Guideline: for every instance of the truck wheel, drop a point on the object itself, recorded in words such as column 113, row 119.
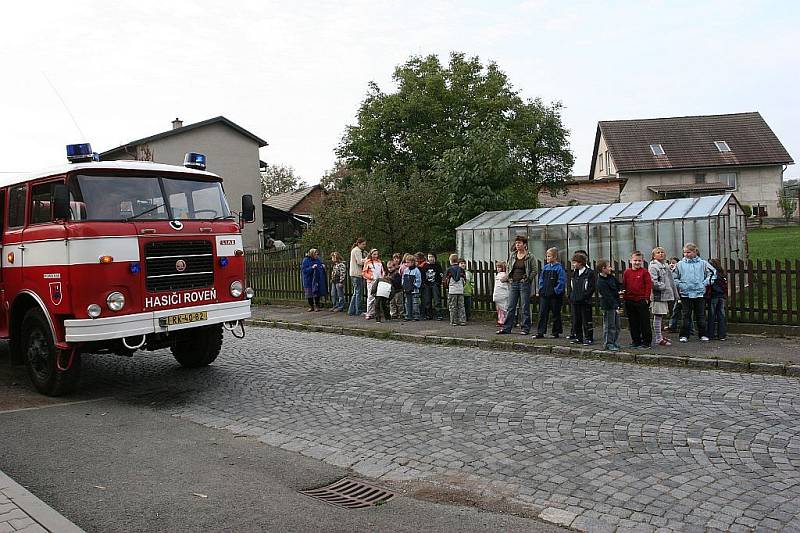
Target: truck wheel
column 199, row 346
column 40, row 355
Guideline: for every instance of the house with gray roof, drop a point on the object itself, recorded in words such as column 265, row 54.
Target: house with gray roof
column 286, row 215
column 232, row 152
column 692, row 156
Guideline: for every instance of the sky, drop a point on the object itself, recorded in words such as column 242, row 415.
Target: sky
column 295, row 72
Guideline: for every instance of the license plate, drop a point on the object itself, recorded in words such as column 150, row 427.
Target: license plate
column 183, row 318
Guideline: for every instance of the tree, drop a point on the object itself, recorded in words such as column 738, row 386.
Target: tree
column 463, row 130
column 787, row 204
column 276, row 179
column 392, row 217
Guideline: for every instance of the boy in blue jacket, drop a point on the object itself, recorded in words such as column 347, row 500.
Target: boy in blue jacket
column 692, row 276
column 552, row 282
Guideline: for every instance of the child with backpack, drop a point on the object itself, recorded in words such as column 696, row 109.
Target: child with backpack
column 455, row 280
column 609, row 289
column 412, row 281
column 582, row 285
column 338, row 274
column 469, row 288
column 717, row 322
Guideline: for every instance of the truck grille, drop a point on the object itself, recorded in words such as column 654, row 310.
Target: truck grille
column 163, row 271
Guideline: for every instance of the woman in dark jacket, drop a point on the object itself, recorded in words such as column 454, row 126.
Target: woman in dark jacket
column 315, row 281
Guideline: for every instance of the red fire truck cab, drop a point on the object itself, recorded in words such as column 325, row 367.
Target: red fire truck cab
column 116, row 256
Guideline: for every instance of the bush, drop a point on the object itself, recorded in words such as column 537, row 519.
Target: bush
column 748, row 210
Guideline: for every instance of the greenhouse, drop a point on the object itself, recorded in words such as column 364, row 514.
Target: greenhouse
column 611, row 231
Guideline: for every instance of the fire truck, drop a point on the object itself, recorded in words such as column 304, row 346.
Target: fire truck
column 118, row 256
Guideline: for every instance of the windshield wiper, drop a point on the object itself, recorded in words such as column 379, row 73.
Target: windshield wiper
column 223, row 217
column 143, row 213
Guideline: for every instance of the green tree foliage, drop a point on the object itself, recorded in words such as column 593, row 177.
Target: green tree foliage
column 787, row 204
column 389, row 215
column 276, row 179
column 461, row 133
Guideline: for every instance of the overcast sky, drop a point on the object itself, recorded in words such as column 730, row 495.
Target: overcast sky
column 294, row 72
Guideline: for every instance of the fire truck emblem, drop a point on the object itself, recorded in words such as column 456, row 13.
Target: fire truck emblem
column 180, row 265
column 55, row 292
column 177, row 225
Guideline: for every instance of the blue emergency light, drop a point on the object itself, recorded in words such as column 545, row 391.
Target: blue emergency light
column 79, row 153
column 195, row 161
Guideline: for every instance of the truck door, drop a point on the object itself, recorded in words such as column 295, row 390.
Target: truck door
column 13, row 248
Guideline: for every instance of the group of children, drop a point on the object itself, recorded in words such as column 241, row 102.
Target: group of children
column 409, row 287
column 683, row 288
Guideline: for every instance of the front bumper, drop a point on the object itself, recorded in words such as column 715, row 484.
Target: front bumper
column 117, row 327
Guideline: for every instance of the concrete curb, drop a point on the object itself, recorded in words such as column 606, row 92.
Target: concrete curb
column 698, row 363
column 38, row 511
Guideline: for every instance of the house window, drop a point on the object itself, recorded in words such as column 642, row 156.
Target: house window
column 657, row 149
column 608, row 162
column 722, row 146
column 699, row 178
column 728, row 178
column 760, row 210
column 600, row 161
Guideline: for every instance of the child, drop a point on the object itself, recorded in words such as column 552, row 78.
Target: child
column 432, row 287
column 500, row 293
column 571, row 334
column 469, row 288
column 382, row 290
column 372, row 272
column 692, row 276
column 609, row 289
column 454, row 281
column 552, row 283
column 676, row 306
column 338, row 273
column 412, row 281
column 580, row 298
column 664, row 291
column 396, row 302
column 638, row 287
column 717, row 322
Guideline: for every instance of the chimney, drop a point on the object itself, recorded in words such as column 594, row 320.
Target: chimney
column 177, row 123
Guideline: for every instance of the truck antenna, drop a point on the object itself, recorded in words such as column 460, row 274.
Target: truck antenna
column 83, row 137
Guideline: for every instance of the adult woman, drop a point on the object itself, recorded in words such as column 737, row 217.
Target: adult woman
column 356, row 264
column 372, row 272
column 315, row 281
column 521, row 274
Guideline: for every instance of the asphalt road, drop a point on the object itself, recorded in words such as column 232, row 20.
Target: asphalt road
column 112, row 459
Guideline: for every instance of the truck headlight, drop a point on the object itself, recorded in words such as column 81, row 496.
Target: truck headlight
column 115, row 301
column 236, row 289
column 249, row 293
column 93, row 310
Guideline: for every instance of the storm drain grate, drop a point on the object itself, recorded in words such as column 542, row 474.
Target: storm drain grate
column 350, row 494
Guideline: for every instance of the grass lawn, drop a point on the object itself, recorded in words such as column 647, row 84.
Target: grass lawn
column 774, row 243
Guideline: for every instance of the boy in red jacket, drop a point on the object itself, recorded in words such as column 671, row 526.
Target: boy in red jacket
column 638, row 287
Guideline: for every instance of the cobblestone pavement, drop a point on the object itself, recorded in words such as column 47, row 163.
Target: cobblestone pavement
column 596, row 445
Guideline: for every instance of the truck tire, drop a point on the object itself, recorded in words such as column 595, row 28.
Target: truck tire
column 40, row 355
column 198, row 346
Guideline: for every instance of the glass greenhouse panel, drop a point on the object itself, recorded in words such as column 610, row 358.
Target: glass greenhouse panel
column 697, row 231
column 590, row 214
column 670, row 237
column 536, row 243
column 706, row 206
column 622, row 241
column 599, row 243
column 556, row 236
column 500, row 245
column 678, row 209
column 467, row 251
column 645, row 233
column 577, row 239
column 481, row 244
column 656, row 210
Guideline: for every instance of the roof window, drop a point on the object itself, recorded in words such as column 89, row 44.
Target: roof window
column 722, row 146
column 657, row 149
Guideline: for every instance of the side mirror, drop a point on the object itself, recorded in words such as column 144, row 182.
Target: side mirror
column 60, row 202
column 248, row 209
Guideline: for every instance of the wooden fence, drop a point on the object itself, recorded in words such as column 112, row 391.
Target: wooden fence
column 763, row 292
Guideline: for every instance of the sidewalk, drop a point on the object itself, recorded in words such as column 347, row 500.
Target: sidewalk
column 743, row 353
column 21, row 511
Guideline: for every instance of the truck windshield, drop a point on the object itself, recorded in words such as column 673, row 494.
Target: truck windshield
column 95, row 197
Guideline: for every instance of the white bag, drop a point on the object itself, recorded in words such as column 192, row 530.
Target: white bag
column 384, row 289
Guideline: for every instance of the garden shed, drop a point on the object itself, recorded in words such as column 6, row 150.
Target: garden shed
column 611, row 231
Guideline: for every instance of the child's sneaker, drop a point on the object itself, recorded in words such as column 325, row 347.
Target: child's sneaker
column 588, row 342
column 611, row 347
column 704, row 338
column 723, row 338
column 683, row 339
column 664, row 342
